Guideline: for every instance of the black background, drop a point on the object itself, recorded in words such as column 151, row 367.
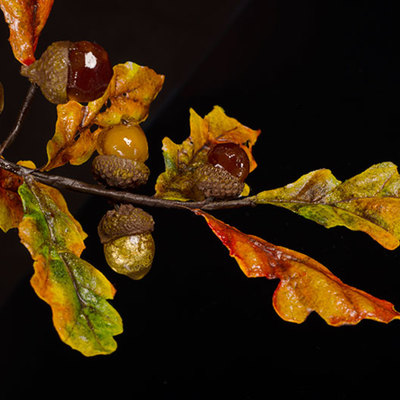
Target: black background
column 320, row 79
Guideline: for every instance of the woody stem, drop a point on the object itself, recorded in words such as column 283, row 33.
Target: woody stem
column 61, row 182
column 21, row 116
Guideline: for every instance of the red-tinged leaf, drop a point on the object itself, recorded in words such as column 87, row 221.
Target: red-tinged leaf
column 305, row 285
column 11, row 212
column 10, row 202
column 26, row 19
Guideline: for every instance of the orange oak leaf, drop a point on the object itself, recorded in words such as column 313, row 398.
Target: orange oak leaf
column 11, row 211
column 10, row 203
column 127, row 98
column 26, row 20
column 181, row 160
column 305, row 285
column 71, row 142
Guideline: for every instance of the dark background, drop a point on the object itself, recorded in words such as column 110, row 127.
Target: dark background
column 320, row 79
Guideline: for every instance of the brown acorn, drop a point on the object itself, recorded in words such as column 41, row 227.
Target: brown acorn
column 128, row 243
column 215, row 182
column 67, row 70
column 119, row 172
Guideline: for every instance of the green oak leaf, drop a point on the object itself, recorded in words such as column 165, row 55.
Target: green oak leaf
column 76, row 291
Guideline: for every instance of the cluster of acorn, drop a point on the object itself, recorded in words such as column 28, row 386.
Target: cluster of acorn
column 125, row 231
column 81, row 71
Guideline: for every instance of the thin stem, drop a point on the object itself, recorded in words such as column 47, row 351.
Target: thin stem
column 21, row 116
column 61, row 182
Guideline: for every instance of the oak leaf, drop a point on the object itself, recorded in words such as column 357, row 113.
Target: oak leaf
column 76, row 291
column 368, row 202
column 305, row 285
column 181, row 160
column 26, row 20
column 127, row 98
column 11, row 211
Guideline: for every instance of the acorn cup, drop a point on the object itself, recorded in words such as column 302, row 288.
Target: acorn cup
column 119, row 172
column 128, row 243
column 216, row 182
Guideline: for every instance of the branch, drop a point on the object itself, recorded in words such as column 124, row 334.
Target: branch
column 61, row 182
column 21, row 116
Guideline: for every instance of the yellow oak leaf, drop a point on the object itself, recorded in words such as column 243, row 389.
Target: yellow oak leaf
column 368, row 202
column 126, row 99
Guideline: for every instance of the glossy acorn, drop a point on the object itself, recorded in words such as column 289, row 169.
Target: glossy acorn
column 223, row 174
column 128, row 243
column 67, row 70
column 123, row 150
column 231, row 157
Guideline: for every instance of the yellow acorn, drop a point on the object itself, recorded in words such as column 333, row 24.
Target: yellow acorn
column 122, row 149
column 128, row 243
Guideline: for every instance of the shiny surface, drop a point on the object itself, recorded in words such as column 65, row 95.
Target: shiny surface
column 89, row 71
column 131, row 255
column 128, row 141
column 231, row 157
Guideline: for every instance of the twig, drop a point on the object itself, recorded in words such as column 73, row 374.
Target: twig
column 17, row 127
column 61, row 182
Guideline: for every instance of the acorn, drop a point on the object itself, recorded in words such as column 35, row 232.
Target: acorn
column 128, row 243
column 215, row 182
column 123, row 149
column 79, row 71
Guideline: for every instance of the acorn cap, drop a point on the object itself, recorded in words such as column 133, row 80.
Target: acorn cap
column 127, row 220
column 216, row 182
column 119, row 172
column 50, row 72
